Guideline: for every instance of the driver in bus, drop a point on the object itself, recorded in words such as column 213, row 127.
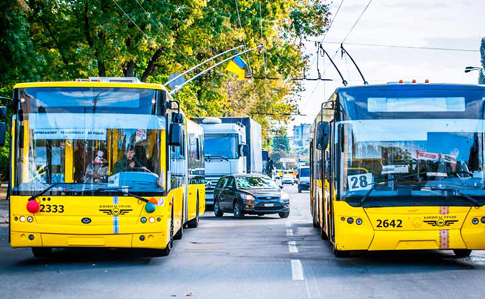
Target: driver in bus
column 129, row 162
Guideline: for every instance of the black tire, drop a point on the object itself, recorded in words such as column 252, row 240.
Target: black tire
column 299, row 190
column 217, row 209
column 284, row 214
column 166, row 250
column 238, row 213
column 314, row 216
column 260, row 215
column 180, row 234
column 41, row 252
column 323, row 234
column 462, row 252
column 194, row 223
column 341, row 253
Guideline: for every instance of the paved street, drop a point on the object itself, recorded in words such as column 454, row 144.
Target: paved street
column 257, row 257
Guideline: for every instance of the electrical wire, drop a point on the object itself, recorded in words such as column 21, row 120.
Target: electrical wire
column 329, row 27
column 240, row 26
column 356, row 22
column 407, row 47
column 261, row 27
column 136, row 25
column 157, row 26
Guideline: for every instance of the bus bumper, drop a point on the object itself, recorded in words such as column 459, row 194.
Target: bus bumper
column 139, row 240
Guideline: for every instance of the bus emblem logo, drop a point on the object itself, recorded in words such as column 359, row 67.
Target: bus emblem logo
column 86, row 220
column 115, row 211
column 440, row 222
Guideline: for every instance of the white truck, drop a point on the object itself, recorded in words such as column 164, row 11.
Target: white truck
column 231, row 145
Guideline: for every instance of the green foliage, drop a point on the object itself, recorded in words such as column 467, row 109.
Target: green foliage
column 281, row 143
column 64, row 40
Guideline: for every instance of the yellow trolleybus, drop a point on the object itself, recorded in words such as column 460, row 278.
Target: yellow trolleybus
column 400, row 167
column 102, row 162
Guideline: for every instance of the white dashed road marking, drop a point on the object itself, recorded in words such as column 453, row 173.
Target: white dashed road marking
column 296, row 270
column 292, row 247
column 289, row 232
column 288, row 224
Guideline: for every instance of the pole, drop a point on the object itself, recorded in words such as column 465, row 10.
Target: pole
column 200, row 64
column 210, row 68
column 355, row 64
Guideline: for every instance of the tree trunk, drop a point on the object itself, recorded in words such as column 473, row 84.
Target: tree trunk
column 128, row 70
column 151, row 65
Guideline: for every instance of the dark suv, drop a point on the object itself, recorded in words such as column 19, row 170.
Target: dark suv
column 254, row 194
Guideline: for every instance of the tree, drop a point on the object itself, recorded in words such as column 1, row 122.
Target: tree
column 148, row 39
column 481, row 78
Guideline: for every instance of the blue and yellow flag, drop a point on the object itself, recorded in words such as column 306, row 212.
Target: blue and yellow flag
column 237, row 66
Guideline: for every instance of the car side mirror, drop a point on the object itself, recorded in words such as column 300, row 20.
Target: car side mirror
column 281, row 186
column 323, row 130
column 3, row 130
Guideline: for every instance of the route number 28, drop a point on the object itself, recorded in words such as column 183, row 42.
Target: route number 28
column 360, row 181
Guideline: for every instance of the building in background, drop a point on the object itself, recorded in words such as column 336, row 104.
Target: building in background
column 301, row 141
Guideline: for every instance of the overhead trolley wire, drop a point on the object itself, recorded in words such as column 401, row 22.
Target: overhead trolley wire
column 156, row 25
column 408, row 47
column 356, row 22
column 329, row 27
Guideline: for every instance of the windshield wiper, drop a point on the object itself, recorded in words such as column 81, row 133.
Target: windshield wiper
column 122, row 192
column 387, row 180
column 216, row 156
column 43, row 191
column 458, row 193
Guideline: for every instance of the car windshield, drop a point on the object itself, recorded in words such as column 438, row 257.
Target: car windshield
column 305, row 172
column 221, row 146
column 87, row 139
column 411, row 158
column 258, row 182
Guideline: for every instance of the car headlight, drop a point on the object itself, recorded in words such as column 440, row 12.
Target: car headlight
column 247, row 197
column 285, row 196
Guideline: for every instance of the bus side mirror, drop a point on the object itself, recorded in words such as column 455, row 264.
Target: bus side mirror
column 3, row 111
column 176, row 134
column 323, row 130
column 3, row 130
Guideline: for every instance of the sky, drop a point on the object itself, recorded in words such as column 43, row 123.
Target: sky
column 458, row 24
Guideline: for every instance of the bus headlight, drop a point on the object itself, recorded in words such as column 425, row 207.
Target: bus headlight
column 30, row 219
column 22, row 218
column 474, row 221
column 350, row 220
column 483, row 220
column 358, row 221
column 143, row 220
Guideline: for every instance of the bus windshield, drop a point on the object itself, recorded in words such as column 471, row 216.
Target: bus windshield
column 399, row 150
column 221, row 146
column 88, row 140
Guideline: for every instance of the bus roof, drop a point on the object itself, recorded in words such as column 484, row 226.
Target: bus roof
column 89, row 84
column 404, row 86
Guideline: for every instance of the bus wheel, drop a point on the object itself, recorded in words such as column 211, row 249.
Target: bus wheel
column 41, row 252
column 195, row 222
column 315, row 222
column 180, row 234
column 166, row 250
column 323, row 234
column 341, row 253
column 462, row 252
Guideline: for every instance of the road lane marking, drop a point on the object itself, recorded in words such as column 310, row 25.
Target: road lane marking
column 288, row 224
column 296, row 270
column 289, row 232
column 292, row 247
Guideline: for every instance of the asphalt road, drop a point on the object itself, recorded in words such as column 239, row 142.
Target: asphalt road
column 256, row 257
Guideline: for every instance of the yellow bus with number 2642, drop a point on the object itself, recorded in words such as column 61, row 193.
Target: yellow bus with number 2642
column 400, row 167
column 102, row 162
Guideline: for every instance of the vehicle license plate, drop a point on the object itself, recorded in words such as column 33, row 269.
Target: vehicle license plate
column 269, row 204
